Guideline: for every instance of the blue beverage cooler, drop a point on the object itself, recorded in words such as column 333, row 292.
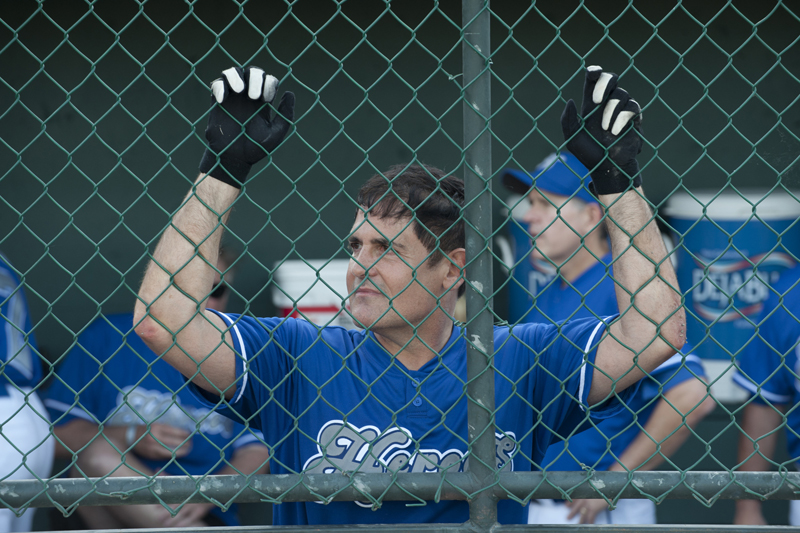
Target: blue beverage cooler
column 730, row 248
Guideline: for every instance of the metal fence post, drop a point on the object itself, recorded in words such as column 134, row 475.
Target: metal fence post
column 478, row 218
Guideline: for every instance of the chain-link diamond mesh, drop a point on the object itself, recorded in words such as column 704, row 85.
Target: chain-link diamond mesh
column 104, row 109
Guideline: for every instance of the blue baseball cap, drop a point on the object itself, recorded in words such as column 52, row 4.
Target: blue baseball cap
column 558, row 174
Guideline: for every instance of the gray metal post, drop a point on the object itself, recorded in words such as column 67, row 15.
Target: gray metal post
column 478, row 217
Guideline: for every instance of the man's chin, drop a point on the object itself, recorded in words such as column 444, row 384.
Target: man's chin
column 373, row 321
column 365, row 320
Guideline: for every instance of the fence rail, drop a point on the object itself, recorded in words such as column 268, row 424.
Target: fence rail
column 707, row 487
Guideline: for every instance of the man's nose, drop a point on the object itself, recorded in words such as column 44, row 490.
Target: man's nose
column 356, row 267
column 531, row 216
column 361, row 262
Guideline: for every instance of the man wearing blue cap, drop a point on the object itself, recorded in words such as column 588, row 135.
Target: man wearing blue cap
column 566, row 222
column 572, row 278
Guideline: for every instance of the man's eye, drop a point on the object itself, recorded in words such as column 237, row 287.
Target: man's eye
column 353, row 246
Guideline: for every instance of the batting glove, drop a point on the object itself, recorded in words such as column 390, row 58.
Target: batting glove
column 240, row 130
column 606, row 137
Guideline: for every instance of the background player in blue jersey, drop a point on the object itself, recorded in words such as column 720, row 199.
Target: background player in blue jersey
column 571, row 252
column 573, row 278
column 144, row 407
column 26, row 446
column 391, row 397
column 768, row 368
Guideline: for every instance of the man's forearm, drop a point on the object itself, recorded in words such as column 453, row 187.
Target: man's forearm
column 170, row 309
column 682, row 408
column 652, row 324
column 247, row 460
column 647, row 287
column 74, row 436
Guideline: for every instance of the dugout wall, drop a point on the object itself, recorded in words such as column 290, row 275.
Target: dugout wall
column 105, row 103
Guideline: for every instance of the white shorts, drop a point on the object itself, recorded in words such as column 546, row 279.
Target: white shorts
column 26, row 447
column 794, row 513
column 627, row 512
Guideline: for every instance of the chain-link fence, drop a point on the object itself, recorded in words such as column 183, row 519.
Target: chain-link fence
column 104, row 114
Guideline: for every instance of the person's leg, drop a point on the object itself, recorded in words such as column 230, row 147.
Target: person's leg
column 100, row 459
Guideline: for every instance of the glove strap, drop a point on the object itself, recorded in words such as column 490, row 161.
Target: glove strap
column 613, row 182
column 230, row 171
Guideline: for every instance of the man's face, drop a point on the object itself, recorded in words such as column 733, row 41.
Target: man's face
column 389, row 273
column 556, row 224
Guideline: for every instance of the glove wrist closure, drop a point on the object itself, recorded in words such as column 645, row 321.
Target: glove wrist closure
column 230, row 171
column 613, row 181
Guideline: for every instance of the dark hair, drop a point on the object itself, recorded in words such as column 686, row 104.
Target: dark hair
column 431, row 199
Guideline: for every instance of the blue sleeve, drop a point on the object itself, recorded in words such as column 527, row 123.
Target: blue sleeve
column 765, row 366
column 679, row 368
column 248, row 437
column 267, row 350
column 76, row 388
column 21, row 364
column 564, row 372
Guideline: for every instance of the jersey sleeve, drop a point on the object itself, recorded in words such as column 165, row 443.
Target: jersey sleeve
column 248, row 437
column 74, row 390
column 17, row 345
column 564, row 372
column 765, row 366
column 681, row 367
column 266, row 350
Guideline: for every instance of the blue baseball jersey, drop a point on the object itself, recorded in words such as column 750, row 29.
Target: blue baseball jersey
column 592, row 294
column 21, row 366
column 599, row 446
column 134, row 387
column 555, row 300
column 333, row 400
column 768, row 366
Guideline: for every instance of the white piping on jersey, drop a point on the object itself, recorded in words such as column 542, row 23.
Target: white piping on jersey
column 235, row 329
column 678, row 359
column 750, row 387
column 71, row 409
column 583, row 366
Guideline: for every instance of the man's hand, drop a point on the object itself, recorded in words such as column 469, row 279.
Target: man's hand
column 241, row 131
column 587, row 510
column 161, row 442
column 602, row 137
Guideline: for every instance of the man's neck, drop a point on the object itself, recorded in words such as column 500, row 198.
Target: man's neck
column 586, row 257
column 414, row 347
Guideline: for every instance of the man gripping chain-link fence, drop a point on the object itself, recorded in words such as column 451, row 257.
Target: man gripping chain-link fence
column 572, row 277
column 391, row 397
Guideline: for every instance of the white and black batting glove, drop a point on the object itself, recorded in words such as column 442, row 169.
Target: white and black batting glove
column 606, row 137
column 241, row 131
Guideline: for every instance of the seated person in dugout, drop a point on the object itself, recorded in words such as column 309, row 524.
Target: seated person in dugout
column 26, row 446
column 573, row 278
column 391, row 397
column 145, row 409
column 768, row 368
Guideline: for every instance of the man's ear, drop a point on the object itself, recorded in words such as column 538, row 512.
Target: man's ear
column 595, row 214
column 456, row 260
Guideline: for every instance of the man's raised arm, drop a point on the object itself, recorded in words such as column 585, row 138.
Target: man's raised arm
column 606, row 138
column 170, row 314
